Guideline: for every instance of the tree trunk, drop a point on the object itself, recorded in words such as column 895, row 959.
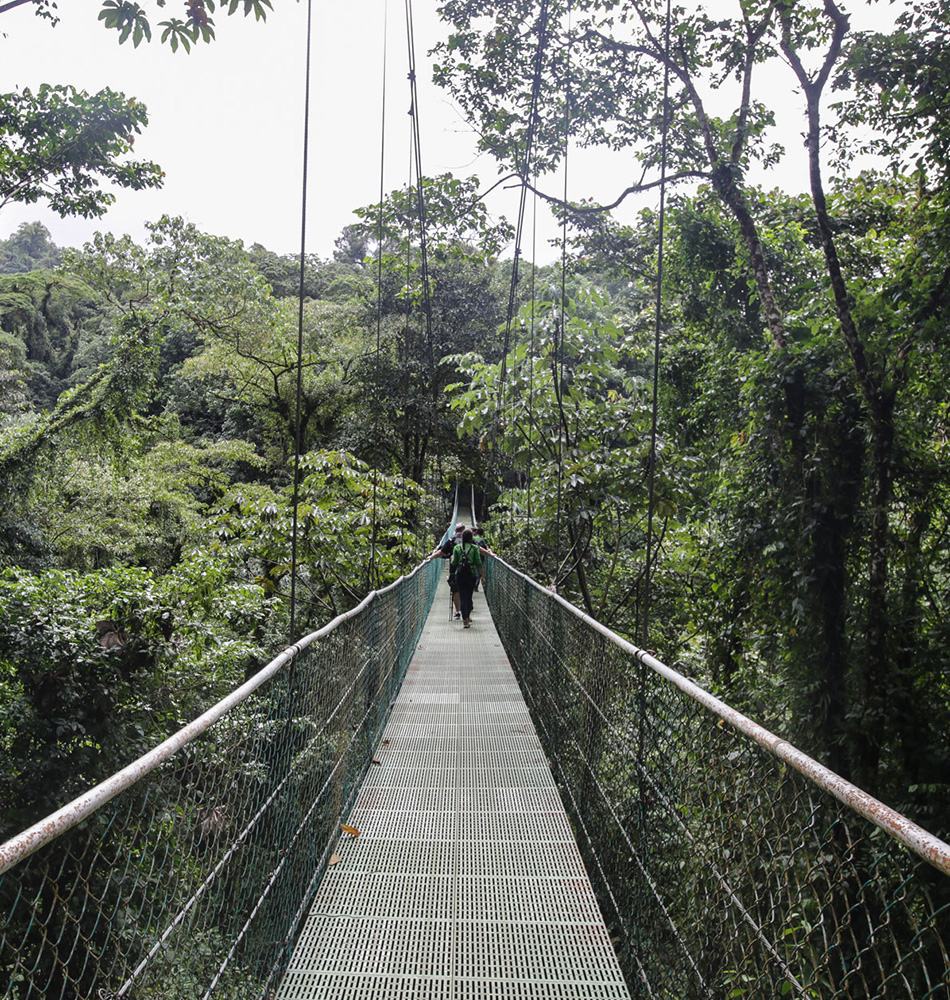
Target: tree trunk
column 879, row 405
column 873, row 672
column 728, row 190
column 834, row 524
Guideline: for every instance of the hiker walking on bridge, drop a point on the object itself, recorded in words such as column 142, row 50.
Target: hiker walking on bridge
column 445, row 551
column 466, row 566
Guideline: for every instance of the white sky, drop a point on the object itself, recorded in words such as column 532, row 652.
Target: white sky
column 226, row 120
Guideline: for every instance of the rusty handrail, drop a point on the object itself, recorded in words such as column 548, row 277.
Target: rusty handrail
column 915, row 838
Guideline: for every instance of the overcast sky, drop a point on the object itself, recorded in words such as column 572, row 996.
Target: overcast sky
column 226, row 120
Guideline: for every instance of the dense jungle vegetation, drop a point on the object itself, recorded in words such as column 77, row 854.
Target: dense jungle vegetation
column 803, row 524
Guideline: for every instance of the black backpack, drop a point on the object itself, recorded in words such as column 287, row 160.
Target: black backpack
column 466, row 566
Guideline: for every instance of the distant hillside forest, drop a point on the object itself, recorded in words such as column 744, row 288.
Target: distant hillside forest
column 802, row 490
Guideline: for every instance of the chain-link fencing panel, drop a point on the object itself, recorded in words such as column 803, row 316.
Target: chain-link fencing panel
column 193, row 881
column 722, row 870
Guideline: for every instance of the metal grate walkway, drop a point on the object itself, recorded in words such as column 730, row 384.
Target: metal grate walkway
column 465, row 881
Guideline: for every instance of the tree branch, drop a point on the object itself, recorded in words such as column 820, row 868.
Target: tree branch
column 595, row 209
column 753, row 37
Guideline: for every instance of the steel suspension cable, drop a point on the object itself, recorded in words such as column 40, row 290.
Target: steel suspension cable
column 651, row 477
column 561, row 324
column 420, row 197
column 525, row 174
column 522, row 204
column 298, row 406
column 658, row 324
column 371, row 576
column 409, row 236
column 423, row 228
column 534, row 275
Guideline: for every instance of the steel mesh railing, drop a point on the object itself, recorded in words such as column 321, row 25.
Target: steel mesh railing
column 192, row 881
column 723, row 870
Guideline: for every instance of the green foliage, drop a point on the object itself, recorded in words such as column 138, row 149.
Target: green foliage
column 133, row 20
column 49, row 313
column 778, row 567
column 575, row 422
column 181, row 277
column 849, row 286
column 339, row 280
column 13, row 397
column 457, row 222
column 899, row 81
column 60, row 143
column 30, row 247
column 340, row 501
column 179, row 289
column 405, row 420
column 250, row 371
column 96, row 668
column 153, row 304
column 143, row 508
column 99, row 410
column 612, row 64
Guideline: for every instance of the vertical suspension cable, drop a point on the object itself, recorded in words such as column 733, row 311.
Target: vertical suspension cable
column 561, row 324
column 410, row 174
column 371, row 577
column 423, row 230
column 651, row 481
column 299, row 400
column 525, row 174
column 420, row 197
column 658, row 323
column 534, row 274
column 407, row 328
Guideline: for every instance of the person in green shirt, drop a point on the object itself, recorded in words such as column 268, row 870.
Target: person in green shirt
column 466, row 565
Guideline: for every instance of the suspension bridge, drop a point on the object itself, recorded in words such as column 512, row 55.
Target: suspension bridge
column 397, row 808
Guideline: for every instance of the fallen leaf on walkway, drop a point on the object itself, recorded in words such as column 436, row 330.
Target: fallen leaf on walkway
column 376, row 760
column 335, row 859
column 350, row 830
